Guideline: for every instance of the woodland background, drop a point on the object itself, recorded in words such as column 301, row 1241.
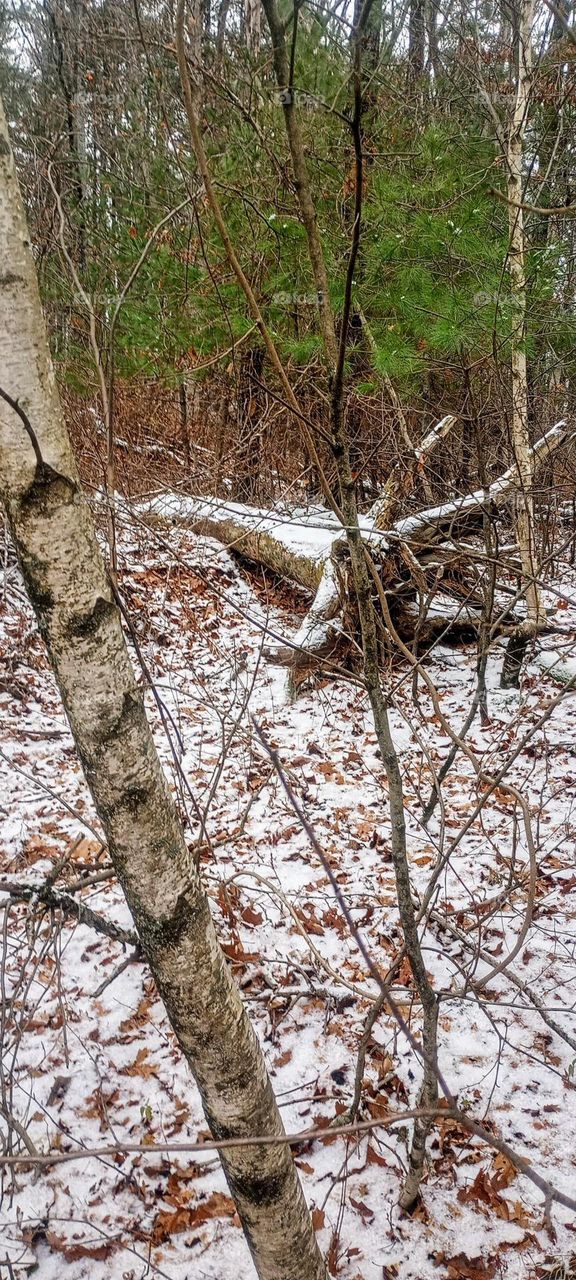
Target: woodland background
column 187, row 442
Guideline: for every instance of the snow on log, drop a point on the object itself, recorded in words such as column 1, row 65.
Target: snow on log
column 317, row 637
column 438, row 520
column 309, row 547
column 561, row 667
column 287, row 545
column 295, row 546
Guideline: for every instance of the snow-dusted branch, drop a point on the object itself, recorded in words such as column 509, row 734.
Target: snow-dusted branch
column 426, row 524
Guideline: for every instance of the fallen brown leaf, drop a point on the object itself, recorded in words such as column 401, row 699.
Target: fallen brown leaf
column 189, row 1217
column 73, row 1250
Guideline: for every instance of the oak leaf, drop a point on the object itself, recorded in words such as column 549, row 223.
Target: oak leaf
column 188, row 1217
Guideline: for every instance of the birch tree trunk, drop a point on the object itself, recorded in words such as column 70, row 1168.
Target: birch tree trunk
column 66, row 581
column 520, row 433
column 252, row 26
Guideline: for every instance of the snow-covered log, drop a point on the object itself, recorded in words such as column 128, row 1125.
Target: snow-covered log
column 322, row 630
column 415, row 555
column 294, row 546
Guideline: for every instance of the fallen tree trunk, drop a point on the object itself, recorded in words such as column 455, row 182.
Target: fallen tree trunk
column 430, row 579
column 292, row 552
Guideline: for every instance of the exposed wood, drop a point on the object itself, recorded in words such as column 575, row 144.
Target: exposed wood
column 401, row 481
column 417, row 554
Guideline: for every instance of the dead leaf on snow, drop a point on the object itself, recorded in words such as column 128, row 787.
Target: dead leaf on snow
column 373, row 1157
column 283, row 1058
column 250, row 916
column 485, row 1190
column 462, row 1268
column 140, row 1018
column 180, row 1195
column 366, row 1213
column 308, row 919
column 73, row 1250
column 235, row 952
column 188, row 1218
column 504, row 1172
column 140, row 1066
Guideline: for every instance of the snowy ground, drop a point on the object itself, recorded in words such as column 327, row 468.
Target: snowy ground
column 88, row 1058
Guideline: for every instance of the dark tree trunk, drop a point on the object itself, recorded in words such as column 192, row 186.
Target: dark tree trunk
column 417, row 38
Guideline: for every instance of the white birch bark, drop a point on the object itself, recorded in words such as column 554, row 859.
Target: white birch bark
column 516, row 267
column 252, row 26
column 68, row 587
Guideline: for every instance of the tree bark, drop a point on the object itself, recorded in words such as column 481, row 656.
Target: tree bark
column 184, row 433
column 67, row 584
column 520, row 432
column 417, row 38
column 252, row 26
column 247, row 460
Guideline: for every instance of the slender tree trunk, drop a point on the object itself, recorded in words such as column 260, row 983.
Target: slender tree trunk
column 247, row 462
column 184, row 433
column 195, row 36
column 432, row 29
column 301, row 181
column 554, row 190
column 67, row 584
column 335, row 351
column 417, row 38
column 371, row 46
column 68, row 80
column 221, row 33
column 519, row 418
column 252, row 26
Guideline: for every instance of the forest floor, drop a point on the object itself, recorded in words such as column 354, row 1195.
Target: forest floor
column 89, row 1059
